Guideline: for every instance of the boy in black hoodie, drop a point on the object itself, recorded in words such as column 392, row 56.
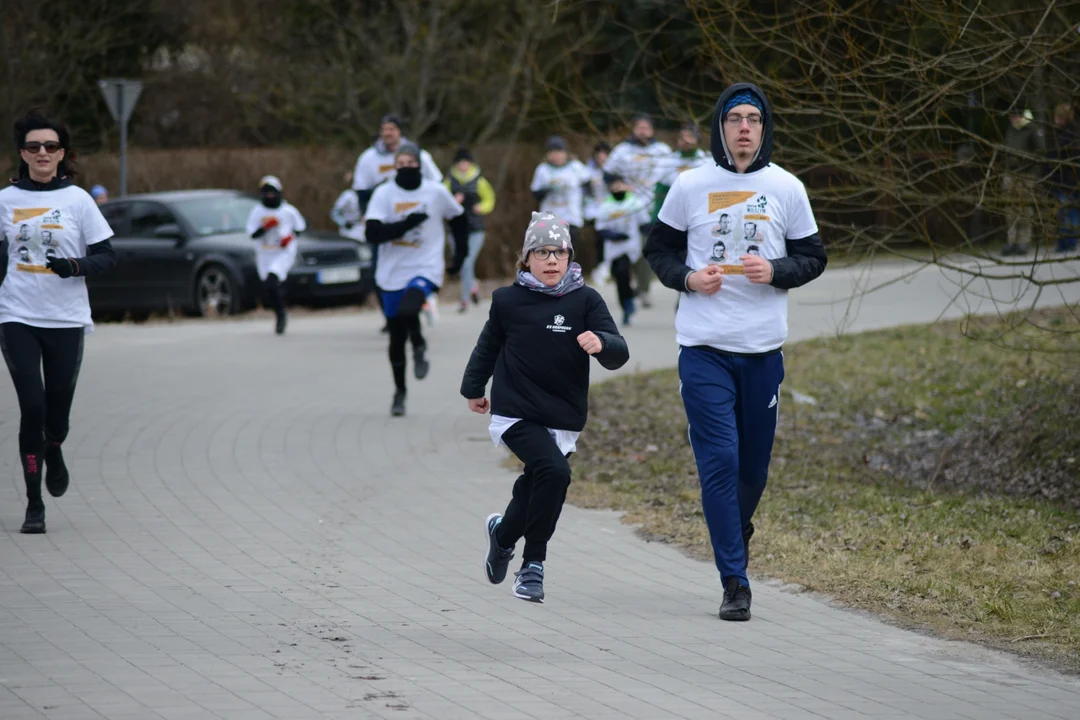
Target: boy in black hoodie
column 537, row 341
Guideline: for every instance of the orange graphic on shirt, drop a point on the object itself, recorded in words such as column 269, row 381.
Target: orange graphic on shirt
column 721, row 200
column 22, row 214
column 39, row 269
column 749, row 216
column 403, row 207
column 386, row 168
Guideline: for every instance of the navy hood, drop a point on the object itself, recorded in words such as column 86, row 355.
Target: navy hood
column 719, row 150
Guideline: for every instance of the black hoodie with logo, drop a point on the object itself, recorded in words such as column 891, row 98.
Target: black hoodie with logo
column 529, row 345
column 665, row 249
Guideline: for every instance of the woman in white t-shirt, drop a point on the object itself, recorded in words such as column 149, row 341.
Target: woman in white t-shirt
column 54, row 237
column 275, row 224
column 405, row 220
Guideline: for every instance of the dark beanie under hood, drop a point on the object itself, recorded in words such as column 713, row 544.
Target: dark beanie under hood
column 719, row 150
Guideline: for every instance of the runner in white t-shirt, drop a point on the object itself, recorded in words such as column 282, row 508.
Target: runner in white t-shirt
column 558, row 185
column 734, row 235
column 640, row 160
column 346, row 212
column 405, row 219
column 55, row 237
column 275, row 224
column 376, row 165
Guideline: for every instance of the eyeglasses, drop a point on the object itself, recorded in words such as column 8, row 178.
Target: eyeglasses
column 51, row 146
column 735, row 120
column 545, row 253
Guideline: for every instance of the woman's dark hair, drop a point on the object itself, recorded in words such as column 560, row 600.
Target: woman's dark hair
column 34, row 120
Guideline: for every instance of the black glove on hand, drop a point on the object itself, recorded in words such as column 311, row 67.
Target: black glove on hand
column 415, row 219
column 61, row 266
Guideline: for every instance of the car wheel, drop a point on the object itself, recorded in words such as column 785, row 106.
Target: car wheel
column 216, row 292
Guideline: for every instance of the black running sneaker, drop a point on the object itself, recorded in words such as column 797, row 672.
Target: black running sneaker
column 498, row 558
column 420, row 362
column 398, row 408
column 529, row 582
column 56, row 472
column 34, row 524
column 279, row 326
column 736, row 601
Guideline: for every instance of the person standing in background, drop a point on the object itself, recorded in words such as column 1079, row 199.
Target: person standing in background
column 100, row 194
column 1024, row 143
column 474, row 193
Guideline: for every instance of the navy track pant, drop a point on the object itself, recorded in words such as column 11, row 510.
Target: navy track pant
column 732, row 403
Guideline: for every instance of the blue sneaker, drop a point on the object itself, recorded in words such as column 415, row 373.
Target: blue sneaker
column 498, row 559
column 529, row 584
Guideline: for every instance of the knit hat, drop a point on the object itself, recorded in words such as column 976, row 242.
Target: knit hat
column 271, row 181
column 743, row 97
column 408, row 148
column 393, row 120
column 97, row 191
column 556, row 143
column 546, row 230
column 462, row 154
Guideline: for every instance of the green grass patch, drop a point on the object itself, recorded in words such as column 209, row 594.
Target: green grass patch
column 933, row 480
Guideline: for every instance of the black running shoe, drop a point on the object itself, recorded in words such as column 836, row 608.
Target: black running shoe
column 398, row 408
column 736, row 601
column 34, row 523
column 420, row 363
column 56, row 472
column 498, row 559
column 529, row 582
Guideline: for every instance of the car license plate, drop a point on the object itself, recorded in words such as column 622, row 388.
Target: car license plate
column 331, row 276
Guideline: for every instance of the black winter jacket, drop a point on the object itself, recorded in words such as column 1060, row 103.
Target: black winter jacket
column 530, row 345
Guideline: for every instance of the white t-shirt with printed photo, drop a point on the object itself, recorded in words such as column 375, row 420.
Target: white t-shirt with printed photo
column 640, row 166
column 39, row 225
column 565, row 198
column 420, row 252
column 727, row 215
column 270, row 257
column 377, row 165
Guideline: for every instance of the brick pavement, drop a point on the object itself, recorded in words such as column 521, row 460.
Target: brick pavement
column 249, row 535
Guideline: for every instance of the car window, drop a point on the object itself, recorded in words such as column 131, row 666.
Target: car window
column 116, row 214
column 148, row 217
column 217, row 214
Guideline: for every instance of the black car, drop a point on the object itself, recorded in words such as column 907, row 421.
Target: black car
column 188, row 251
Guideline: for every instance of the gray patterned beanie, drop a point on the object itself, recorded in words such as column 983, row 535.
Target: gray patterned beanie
column 546, row 230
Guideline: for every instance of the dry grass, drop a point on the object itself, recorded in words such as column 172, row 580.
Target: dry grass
column 934, row 482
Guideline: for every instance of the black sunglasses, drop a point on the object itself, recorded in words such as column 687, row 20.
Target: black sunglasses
column 51, row 146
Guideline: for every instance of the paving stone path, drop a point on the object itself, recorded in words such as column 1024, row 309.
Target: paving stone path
column 249, row 536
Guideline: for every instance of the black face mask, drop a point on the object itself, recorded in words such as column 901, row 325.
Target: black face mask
column 619, row 195
column 271, row 200
column 408, row 178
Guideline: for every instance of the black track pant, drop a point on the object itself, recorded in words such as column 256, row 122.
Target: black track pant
column 539, row 493
column 275, row 294
column 405, row 327
column 620, row 270
column 44, row 405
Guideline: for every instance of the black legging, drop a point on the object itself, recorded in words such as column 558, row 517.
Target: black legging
column 44, row 406
column 620, row 270
column 539, row 492
column 275, row 294
column 404, row 327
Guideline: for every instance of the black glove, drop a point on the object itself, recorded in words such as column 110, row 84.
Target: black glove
column 415, row 219
column 61, row 266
